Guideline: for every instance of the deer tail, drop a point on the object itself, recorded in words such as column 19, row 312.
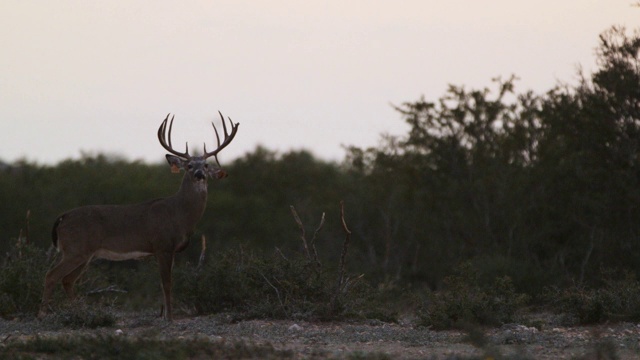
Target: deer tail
column 54, row 231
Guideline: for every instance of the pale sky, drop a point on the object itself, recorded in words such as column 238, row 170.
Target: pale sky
column 100, row 76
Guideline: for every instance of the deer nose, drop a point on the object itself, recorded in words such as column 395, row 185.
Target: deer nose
column 199, row 174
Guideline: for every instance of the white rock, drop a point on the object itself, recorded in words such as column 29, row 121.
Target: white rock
column 295, row 327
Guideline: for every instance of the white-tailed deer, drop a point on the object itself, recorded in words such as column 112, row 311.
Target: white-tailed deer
column 159, row 227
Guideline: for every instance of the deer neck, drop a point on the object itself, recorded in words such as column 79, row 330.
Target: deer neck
column 191, row 200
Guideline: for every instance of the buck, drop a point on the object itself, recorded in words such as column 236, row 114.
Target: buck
column 159, row 227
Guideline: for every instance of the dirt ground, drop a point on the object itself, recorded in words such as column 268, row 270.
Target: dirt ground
column 367, row 339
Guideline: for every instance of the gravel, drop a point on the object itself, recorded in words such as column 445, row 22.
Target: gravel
column 403, row 340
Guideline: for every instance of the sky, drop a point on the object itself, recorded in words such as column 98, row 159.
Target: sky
column 89, row 77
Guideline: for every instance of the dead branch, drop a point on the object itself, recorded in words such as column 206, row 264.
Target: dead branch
column 345, row 245
column 202, row 252
column 313, row 242
column 313, row 258
column 281, row 254
column 302, row 236
column 342, row 284
column 276, row 290
column 26, row 234
column 110, row 288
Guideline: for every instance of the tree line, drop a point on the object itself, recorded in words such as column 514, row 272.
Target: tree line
column 544, row 188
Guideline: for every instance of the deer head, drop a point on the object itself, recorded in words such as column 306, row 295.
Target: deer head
column 196, row 167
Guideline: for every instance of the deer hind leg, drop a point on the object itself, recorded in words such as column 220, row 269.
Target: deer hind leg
column 165, row 263
column 70, row 279
column 66, row 267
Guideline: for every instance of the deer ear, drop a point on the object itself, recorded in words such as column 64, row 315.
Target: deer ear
column 175, row 163
column 217, row 173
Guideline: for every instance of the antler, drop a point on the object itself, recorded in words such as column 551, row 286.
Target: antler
column 227, row 138
column 162, row 136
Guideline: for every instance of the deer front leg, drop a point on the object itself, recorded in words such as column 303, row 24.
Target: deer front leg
column 165, row 263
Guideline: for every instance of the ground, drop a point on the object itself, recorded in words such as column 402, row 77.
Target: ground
column 363, row 339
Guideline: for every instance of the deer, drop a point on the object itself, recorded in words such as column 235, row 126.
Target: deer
column 159, row 227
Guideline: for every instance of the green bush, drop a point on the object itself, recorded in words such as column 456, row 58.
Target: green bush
column 269, row 287
column 21, row 280
column 465, row 301
column 615, row 300
column 78, row 314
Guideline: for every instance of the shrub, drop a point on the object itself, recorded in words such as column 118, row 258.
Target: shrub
column 615, row 300
column 21, row 280
column 464, row 301
column 78, row 314
column 268, row 287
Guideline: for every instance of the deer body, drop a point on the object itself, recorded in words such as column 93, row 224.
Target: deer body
column 159, row 227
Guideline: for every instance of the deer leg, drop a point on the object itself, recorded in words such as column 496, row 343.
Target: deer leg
column 165, row 263
column 69, row 280
column 65, row 267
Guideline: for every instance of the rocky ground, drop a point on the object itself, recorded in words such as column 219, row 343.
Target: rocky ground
column 368, row 339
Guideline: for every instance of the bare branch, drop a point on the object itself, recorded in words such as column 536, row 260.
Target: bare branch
column 302, row 236
column 202, row 252
column 26, row 234
column 313, row 241
column 110, row 288
column 345, row 246
column 281, row 254
column 342, row 284
column 276, row 290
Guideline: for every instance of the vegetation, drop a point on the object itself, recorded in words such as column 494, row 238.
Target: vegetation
column 464, row 301
column 116, row 347
column 492, row 198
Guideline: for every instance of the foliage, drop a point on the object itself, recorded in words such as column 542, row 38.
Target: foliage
column 270, row 287
column 464, row 301
column 78, row 314
column 21, row 280
column 548, row 182
column 615, row 300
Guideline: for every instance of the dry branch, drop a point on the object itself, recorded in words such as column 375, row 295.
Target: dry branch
column 302, row 236
column 313, row 241
column 110, row 288
column 342, row 284
column 313, row 251
column 26, row 235
column 345, row 245
column 202, row 252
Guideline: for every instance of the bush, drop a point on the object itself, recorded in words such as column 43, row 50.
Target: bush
column 21, row 280
column 78, row 314
column 270, row 287
column 464, row 301
column 615, row 300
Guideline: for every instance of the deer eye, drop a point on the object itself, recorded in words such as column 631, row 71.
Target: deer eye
column 190, row 166
column 206, row 166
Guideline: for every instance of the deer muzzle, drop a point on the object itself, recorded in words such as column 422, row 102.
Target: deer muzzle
column 199, row 175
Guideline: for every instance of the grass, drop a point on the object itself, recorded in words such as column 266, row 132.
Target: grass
column 124, row 348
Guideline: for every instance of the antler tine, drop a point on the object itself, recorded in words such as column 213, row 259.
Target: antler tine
column 228, row 137
column 166, row 141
